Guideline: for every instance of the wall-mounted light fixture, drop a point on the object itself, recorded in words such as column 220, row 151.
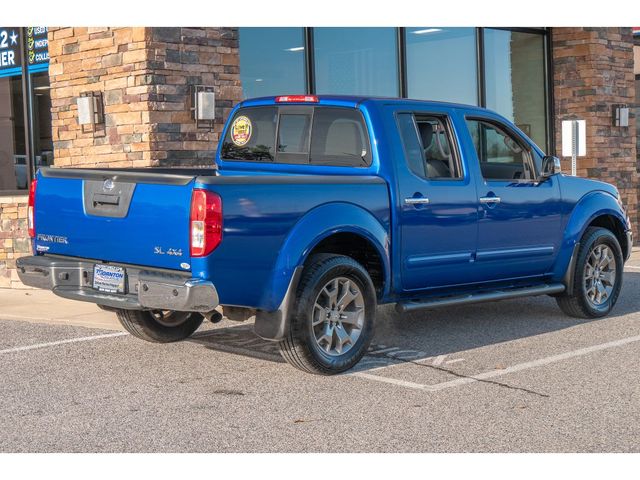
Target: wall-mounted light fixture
column 621, row 115
column 204, row 106
column 90, row 111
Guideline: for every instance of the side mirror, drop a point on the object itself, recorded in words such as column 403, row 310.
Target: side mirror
column 550, row 166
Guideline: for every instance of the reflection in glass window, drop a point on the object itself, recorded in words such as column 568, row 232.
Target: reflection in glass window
column 272, row 61
column 251, row 135
column 356, row 61
column 501, row 156
column 441, row 64
column 339, row 138
column 13, row 160
column 43, row 141
column 515, row 85
column 293, row 133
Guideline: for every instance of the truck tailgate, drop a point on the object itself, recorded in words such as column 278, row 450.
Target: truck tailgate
column 115, row 216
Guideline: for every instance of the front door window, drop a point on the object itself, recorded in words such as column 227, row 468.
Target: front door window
column 502, row 156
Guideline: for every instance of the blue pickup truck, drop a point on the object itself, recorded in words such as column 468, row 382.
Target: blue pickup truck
column 320, row 208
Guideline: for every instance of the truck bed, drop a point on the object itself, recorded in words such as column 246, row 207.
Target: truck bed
column 143, row 220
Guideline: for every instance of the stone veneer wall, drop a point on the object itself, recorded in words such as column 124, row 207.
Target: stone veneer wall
column 592, row 71
column 145, row 75
column 180, row 58
column 14, row 238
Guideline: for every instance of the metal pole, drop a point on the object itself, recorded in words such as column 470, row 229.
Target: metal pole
column 26, row 107
column 574, row 147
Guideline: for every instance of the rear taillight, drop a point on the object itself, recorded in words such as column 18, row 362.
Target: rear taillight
column 297, row 99
column 31, row 208
column 205, row 223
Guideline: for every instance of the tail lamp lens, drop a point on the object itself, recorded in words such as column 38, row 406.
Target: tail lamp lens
column 31, row 208
column 205, row 223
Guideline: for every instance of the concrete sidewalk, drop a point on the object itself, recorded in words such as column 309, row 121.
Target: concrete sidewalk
column 42, row 306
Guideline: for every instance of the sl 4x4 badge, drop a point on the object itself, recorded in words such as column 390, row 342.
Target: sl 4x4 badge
column 176, row 252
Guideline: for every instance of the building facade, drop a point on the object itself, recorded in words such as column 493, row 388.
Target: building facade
column 143, row 82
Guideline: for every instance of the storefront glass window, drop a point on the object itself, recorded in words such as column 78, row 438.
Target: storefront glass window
column 441, row 64
column 13, row 161
column 24, row 142
column 515, row 80
column 272, row 61
column 43, row 143
column 356, row 61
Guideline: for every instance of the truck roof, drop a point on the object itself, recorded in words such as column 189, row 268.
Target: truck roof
column 354, row 100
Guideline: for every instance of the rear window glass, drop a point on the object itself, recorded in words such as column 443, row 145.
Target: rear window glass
column 305, row 135
column 339, row 138
column 293, row 133
column 251, row 135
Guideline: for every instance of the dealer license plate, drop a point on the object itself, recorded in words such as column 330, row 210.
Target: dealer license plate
column 108, row 278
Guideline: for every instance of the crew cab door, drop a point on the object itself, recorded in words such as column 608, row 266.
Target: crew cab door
column 437, row 211
column 519, row 224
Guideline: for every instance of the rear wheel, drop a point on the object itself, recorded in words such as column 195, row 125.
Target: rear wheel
column 597, row 276
column 159, row 326
column 332, row 325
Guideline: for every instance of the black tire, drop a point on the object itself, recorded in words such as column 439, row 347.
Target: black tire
column 577, row 303
column 300, row 348
column 145, row 324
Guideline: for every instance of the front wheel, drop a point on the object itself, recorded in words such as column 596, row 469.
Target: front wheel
column 597, row 276
column 331, row 326
column 159, row 326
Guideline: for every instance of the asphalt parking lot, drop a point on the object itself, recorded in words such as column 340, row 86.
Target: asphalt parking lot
column 513, row 376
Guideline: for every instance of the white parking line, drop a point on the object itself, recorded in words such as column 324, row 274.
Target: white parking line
column 632, row 267
column 505, row 371
column 62, row 342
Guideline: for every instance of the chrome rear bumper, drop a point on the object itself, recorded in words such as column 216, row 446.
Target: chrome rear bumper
column 145, row 289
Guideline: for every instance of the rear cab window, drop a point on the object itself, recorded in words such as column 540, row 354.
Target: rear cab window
column 298, row 134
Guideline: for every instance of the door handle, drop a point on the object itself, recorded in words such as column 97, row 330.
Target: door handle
column 489, row 200
column 416, row 201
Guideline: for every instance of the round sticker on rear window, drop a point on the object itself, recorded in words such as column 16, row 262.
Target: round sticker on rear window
column 241, row 130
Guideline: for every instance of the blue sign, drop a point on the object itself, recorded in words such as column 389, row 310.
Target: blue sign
column 10, row 61
column 37, row 50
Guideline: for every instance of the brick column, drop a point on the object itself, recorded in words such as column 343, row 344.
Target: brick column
column 145, row 75
column 14, row 238
column 181, row 58
column 593, row 70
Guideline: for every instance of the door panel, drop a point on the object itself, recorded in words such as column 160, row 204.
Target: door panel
column 519, row 225
column 437, row 216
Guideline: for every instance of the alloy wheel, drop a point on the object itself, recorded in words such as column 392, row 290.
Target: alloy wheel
column 338, row 316
column 599, row 275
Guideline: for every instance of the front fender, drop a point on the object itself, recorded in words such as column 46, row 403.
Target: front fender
column 315, row 226
column 588, row 208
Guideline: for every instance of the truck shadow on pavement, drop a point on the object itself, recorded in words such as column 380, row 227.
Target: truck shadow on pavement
column 430, row 335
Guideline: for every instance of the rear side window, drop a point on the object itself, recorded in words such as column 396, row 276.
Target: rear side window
column 332, row 136
column 428, row 146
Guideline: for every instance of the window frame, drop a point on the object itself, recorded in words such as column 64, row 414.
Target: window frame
column 526, row 148
column 453, row 143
